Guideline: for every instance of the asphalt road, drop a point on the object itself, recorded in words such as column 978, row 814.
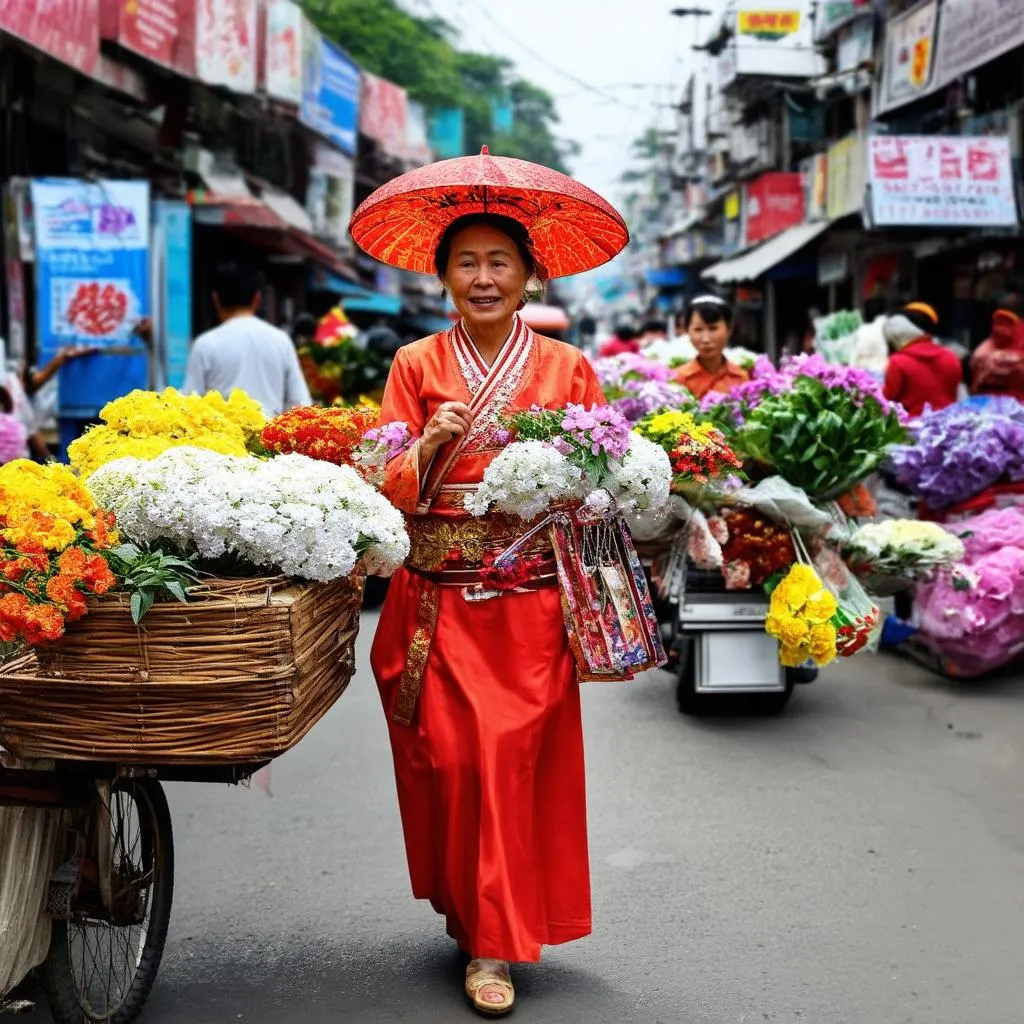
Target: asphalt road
column 859, row 860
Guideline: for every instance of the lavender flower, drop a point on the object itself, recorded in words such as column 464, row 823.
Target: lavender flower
column 600, row 429
column 960, row 451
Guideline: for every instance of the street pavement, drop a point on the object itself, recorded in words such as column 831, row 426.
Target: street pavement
column 858, row 860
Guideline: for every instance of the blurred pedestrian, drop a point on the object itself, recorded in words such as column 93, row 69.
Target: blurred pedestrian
column 244, row 351
column 709, row 323
column 625, row 340
column 997, row 367
column 653, row 332
column 303, row 330
column 920, row 373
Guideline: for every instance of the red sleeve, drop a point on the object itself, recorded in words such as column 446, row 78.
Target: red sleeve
column 401, row 401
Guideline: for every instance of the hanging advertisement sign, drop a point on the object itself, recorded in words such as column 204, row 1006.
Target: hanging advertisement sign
column 814, row 171
column 769, row 39
column 856, row 49
column 909, row 52
column 173, row 220
column 943, row 181
column 149, row 28
column 974, row 32
column 329, row 200
column 383, row 114
column 15, row 327
column 417, row 148
column 330, row 93
column 92, row 283
column 846, row 169
column 772, row 203
column 447, row 130
column 225, row 44
column 67, row 30
column 283, row 54
column 831, row 15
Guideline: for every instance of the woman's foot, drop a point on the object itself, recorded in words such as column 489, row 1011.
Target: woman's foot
column 489, row 987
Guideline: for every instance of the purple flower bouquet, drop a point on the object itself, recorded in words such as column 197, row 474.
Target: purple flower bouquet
column 961, row 451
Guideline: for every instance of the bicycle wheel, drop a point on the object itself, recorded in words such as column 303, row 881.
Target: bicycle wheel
column 103, row 962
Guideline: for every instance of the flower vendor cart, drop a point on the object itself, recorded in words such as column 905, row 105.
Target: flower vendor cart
column 182, row 611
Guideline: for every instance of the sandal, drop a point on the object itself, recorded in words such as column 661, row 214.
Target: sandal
column 489, row 974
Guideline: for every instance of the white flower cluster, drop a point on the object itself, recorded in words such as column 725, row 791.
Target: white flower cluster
column 641, row 481
column 290, row 514
column 525, row 479
column 530, row 476
column 905, row 545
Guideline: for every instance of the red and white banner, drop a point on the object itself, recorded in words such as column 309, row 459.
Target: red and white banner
column 67, row 30
column 225, row 43
column 283, row 51
column 941, row 180
column 384, row 114
column 149, row 28
column 772, row 203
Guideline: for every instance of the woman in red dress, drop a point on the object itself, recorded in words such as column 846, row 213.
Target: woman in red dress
column 481, row 695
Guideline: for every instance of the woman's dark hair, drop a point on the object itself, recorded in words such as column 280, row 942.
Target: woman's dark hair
column 654, row 327
column 712, row 309
column 506, row 225
column 626, row 332
column 6, row 402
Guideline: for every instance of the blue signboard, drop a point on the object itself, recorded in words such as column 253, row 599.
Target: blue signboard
column 330, row 94
column 447, row 133
column 92, row 285
column 174, row 226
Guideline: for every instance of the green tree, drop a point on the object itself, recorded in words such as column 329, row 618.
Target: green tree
column 421, row 55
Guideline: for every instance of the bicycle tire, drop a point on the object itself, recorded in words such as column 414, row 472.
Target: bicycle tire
column 58, row 977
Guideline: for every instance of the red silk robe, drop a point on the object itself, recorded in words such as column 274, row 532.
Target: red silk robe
column 490, row 766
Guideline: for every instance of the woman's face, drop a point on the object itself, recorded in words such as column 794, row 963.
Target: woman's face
column 709, row 340
column 485, row 276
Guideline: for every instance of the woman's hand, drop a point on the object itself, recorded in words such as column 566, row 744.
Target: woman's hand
column 452, row 420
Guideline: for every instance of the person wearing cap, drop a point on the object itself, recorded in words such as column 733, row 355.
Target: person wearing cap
column 997, row 367
column 709, row 324
column 921, row 373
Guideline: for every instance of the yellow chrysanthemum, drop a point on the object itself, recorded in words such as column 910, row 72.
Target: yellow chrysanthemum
column 794, row 632
column 820, row 607
column 792, row 657
column 822, row 643
column 144, row 424
column 805, row 576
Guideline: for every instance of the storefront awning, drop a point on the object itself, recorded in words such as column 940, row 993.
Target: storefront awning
column 752, row 264
column 374, row 302
column 354, row 297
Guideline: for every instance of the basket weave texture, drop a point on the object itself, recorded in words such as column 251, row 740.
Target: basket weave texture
column 239, row 674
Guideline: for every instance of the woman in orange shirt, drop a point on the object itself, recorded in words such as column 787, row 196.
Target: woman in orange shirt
column 709, row 323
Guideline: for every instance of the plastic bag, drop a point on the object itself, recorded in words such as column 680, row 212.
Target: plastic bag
column 779, row 500
column 860, row 618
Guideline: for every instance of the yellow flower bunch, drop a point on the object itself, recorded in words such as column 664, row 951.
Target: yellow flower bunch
column 800, row 618
column 144, row 424
column 44, row 504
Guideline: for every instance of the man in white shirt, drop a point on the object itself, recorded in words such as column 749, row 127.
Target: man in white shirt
column 244, row 351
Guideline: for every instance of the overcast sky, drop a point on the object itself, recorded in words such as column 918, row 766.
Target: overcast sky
column 632, row 52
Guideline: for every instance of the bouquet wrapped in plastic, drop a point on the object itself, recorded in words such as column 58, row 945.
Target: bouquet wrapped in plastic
column 894, row 554
column 974, row 616
column 960, row 451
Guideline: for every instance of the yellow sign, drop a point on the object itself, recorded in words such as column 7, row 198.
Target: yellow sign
column 732, row 206
column 768, row 25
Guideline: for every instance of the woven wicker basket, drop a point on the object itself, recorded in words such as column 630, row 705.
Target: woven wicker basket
column 239, row 674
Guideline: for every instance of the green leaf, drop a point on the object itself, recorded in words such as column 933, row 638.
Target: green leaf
column 136, row 606
column 175, row 588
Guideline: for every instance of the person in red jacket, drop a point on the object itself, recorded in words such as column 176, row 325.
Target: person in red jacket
column 997, row 367
column 626, row 340
column 921, row 373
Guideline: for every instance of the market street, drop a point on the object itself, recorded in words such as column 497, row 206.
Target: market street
column 858, row 860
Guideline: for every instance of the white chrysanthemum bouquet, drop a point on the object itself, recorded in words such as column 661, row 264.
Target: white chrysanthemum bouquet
column 903, row 547
column 574, row 454
column 291, row 514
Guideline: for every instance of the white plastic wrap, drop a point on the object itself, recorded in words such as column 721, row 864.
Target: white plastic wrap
column 780, row 501
column 28, row 848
